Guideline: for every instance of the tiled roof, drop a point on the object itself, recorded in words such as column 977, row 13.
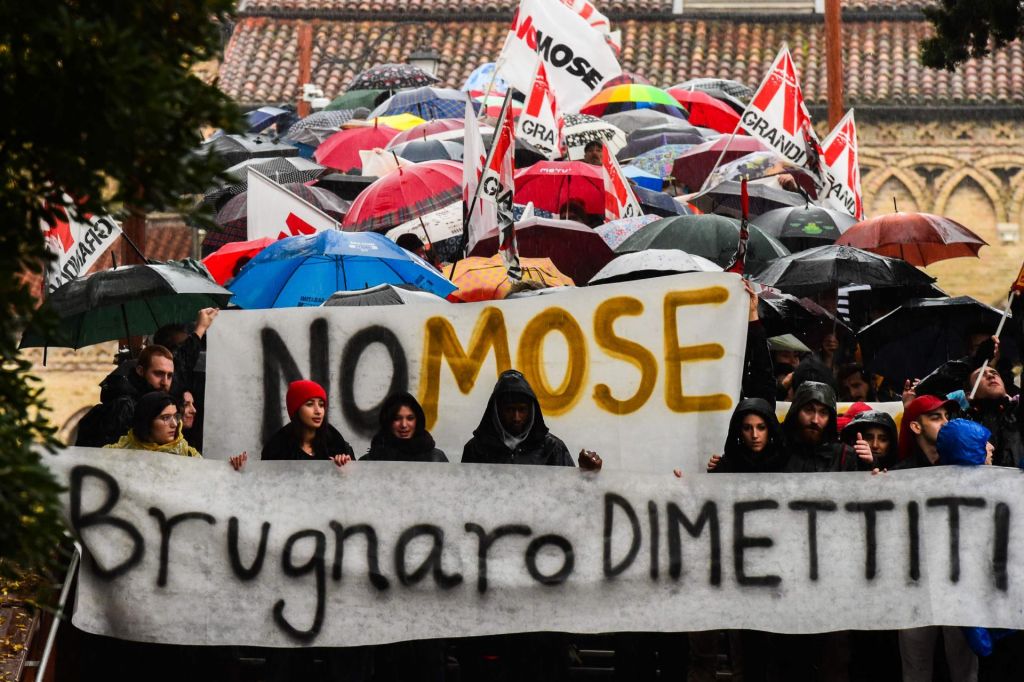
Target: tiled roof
column 881, row 58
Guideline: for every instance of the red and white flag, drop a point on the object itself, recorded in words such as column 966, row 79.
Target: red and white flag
column 479, row 218
column 274, row 212
column 538, row 122
column 778, row 116
column 842, row 160
column 619, row 200
column 497, row 187
column 76, row 242
column 597, row 21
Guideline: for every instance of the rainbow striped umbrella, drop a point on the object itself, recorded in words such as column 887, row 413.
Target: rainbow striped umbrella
column 632, row 96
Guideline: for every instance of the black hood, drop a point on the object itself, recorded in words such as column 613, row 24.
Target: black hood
column 511, row 382
column 762, row 461
column 871, row 418
column 391, row 405
column 812, row 392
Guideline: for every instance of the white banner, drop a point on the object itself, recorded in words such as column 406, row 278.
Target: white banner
column 645, row 375
column 76, row 244
column 842, row 159
column 577, row 57
column 273, row 211
column 283, row 554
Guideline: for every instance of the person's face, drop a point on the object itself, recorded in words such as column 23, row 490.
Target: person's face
column 927, row 425
column 159, row 374
column 877, row 439
column 188, row 410
column 311, row 414
column 754, row 433
column 592, row 155
column 515, row 416
column 855, row 388
column 403, row 426
column 786, row 357
column 989, row 451
column 991, row 386
column 812, row 419
column 164, row 428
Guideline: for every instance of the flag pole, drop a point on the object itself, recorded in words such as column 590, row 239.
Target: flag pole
column 999, row 330
column 724, row 150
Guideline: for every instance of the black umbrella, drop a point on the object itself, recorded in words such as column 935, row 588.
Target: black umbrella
column 804, row 227
column 631, row 121
column 236, row 148
column 659, row 203
column 724, row 199
column 281, row 170
column 786, row 314
column 428, row 150
column 345, row 186
column 829, row 267
column 950, row 319
column 730, row 87
column 320, row 119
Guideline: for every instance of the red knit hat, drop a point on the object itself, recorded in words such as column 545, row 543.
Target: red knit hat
column 920, row 405
column 301, row 391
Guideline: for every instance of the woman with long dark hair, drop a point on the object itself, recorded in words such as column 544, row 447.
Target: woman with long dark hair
column 403, row 435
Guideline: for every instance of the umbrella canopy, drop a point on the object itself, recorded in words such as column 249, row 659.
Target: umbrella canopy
column 225, row 261
column 483, row 78
column 306, row 270
column 427, row 102
column 705, row 110
column 440, row 231
column 631, row 121
column 651, row 263
column 383, row 294
column 281, row 170
column 643, row 179
column 660, row 203
column 638, row 145
column 341, row 150
column 429, row 150
column 578, row 130
column 620, row 98
column 345, row 186
column 627, row 78
column 322, row 120
column 354, row 99
column 659, row 160
column 485, row 279
column 574, row 248
column 264, row 117
column 552, row 185
column 804, row 227
column 403, row 194
column 237, row 148
column 618, row 231
column 766, row 164
column 452, row 129
column 391, row 77
column 724, row 199
column 711, row 236
column 692, row 168
column 729, row 87
column 950, row 319
column 786, row 314
column 918, row 238
column 131, row 300
column 829, row 267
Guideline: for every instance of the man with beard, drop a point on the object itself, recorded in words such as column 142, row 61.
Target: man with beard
column 919, row 431
column 812, row 437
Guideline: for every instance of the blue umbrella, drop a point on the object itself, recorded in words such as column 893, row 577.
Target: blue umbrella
column 264, row 117
column 643, row 178
column 659, row 203
column 426, row 102
column 306, row 270
column 481, row 78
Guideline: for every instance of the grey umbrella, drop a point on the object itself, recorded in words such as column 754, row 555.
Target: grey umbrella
column 629, row 121
column 383, row 294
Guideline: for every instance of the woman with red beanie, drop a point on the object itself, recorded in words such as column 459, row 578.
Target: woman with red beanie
column 308, row 435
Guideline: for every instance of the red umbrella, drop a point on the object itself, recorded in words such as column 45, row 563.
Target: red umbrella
column 341, row 150
column 692, row 168
column 403, row 194
column 574, row 248
column 550, row 185
column 707, row 111
column 438, row 129
column 918, row 238
column 225, row 261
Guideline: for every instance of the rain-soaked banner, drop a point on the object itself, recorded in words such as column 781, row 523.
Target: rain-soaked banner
column 645, row 373
column 189, row 551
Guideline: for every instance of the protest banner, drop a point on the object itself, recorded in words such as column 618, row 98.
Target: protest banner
column 577, row 57
column 607, row 363
column 188, row 551
column 76, row 243
column 273, row 211
column 842, row 160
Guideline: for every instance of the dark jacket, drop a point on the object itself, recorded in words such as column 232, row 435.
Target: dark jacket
column 286, row 445
column 880, row 419
column 828, row 454
column 1001, row 417
column 758, row 374
column 539, row 447
column 737, row 458
column 384, row 447
column 105, row 423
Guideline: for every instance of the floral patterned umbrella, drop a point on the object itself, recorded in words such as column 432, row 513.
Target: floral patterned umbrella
column 618, row 231
column 578, row 130
column 660, row 159
column 391, row 77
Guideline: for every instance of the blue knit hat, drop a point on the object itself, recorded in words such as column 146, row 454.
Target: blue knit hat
column 962, row 441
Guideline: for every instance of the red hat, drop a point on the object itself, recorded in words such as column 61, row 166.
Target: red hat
column 850, row 413
column 301, row 391
column 920, row 405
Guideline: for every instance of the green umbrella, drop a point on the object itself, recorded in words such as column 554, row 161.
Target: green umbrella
column 712, row 236
column 353, row 99
column 131, row 300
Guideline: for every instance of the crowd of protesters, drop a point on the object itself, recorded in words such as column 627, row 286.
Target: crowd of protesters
column 151, row 403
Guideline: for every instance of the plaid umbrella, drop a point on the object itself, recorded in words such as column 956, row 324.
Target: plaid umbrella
column 618, row 231
column 729, row 87
column 485, row 279
column 405, row 193
column 426, row 102
column 660, row 159
column 281, row 170
column 391, row 77
column 341, row 150
column 578, row 130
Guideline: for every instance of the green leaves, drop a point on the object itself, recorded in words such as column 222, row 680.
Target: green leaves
column 970, row 28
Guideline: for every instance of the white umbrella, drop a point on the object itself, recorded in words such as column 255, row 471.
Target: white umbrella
column 578, row 130
column 383, row 294
column 436, row 226
column 652, row 263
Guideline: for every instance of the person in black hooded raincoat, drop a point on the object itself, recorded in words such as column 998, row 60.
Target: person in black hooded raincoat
column 878, row 430
column 745, row 454
column 811, row 434
column 403, row 435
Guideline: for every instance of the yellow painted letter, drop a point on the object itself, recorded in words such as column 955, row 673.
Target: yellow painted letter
column 676, row 355
column 623, row 349
column 530, row 360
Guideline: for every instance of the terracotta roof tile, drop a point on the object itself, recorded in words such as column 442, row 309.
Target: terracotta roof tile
column 433, row 7
column 881, row 58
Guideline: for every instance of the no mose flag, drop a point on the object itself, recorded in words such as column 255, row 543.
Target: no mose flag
column 842, row 161
column 538, row 123
column 276, row 213
column 577, row 57
column 497, row 187
column 619, row 200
